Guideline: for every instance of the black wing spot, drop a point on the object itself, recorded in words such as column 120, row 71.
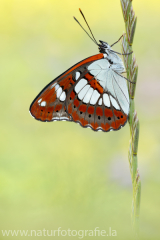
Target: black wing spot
column 118, row 117
column 41, row 110
column 74, row 106
column 121, row 116
column 99, row 117
column 70, row 98
column 57, row 111
column 48, row 112
column 109, row 118
column 81, row 112
column 89, row 115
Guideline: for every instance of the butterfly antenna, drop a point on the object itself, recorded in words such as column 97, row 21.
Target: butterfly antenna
column 88, row 25
column 85, row 30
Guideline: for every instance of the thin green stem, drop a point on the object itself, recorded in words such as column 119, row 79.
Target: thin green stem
column 132, row 71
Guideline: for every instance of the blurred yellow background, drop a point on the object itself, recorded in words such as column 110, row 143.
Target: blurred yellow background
column 58, row 174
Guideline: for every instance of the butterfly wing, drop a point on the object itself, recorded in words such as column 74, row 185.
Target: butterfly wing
column 92, row 106
column 87, row 95
column 50, row 104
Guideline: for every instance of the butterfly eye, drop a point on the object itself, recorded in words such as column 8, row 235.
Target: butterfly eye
column 110, row 61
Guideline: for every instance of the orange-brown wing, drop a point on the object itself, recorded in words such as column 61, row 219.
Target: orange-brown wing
column 50, row 104
column 91, row 106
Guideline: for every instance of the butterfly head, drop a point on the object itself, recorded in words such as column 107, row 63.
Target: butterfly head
column 104, row 47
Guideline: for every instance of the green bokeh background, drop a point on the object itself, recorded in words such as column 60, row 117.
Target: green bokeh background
column 58, row 174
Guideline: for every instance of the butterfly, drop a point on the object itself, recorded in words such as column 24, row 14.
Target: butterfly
column 92, row 93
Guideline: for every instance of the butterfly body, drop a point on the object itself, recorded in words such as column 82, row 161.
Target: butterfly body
column 116, row 63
